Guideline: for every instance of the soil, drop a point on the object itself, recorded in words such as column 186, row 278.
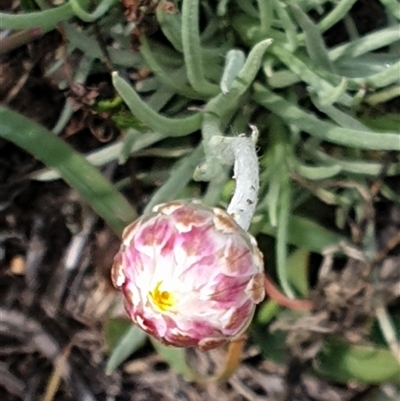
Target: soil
column 54, row 299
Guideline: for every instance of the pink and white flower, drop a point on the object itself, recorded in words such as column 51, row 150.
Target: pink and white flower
column 190, row 276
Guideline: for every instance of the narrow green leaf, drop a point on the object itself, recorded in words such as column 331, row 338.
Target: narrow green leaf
column 362, row 167
column 344, row 362
column 234, row 62
column 94, row 188
column 302, row 232
column 47, row 19
column 165, row 75
column 393, row 7
column 272, row 344
column 129, row 342
column 339, row 12
column 382, row 78
column 174, row 127
column 170, row 23
column 385, row 122
column 314, row 41
column 366, row 44
column 383, row 96
column 116, row 150
column 267, row 311
column 282, row 237
column 341, row 118
column 192, row 49
column 288, row 25
column 175, row 357
column 178, row 179
column 224, row 104
column 297, row 267
column 98, row 12
column 317, row 172
column 279, row 198
column 266, row 9
column 306, row 73
column 329, row 132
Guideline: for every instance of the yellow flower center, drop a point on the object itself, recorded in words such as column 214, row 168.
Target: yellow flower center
column 164, row 300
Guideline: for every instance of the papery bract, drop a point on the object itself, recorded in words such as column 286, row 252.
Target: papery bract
column 191, row 277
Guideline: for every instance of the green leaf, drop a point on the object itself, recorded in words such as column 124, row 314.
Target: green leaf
column 170, row 24
column 166, row 75
column 113, row 330
column 302, row 232
column 317, row 172
column 178, row 180
column 385, row 122
column 94, row 188
column 47, row 19
column 174, row 127
column 337, row 13
column 309, row 74
column 323, row 130
column 297, row 268
column 192, row 49
column 175, row 357
column 314, row 41
column 234, row 62
column 102, row 7
column 344, row 362
column 124, row 342
column 271, row 344
column 267, row 311
column 366, row 44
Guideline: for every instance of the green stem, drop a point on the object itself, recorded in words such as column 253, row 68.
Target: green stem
column 174, row 127
column 192, row 49
column 94, row 188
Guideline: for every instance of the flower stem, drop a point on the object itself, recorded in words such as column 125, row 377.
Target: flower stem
column 233, row 357
column 234, row 354
column 281, row 299
column 246, row 172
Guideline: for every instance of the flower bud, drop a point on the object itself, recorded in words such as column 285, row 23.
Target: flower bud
column 190, row 276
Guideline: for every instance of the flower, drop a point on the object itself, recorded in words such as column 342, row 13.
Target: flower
column 190, row 276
